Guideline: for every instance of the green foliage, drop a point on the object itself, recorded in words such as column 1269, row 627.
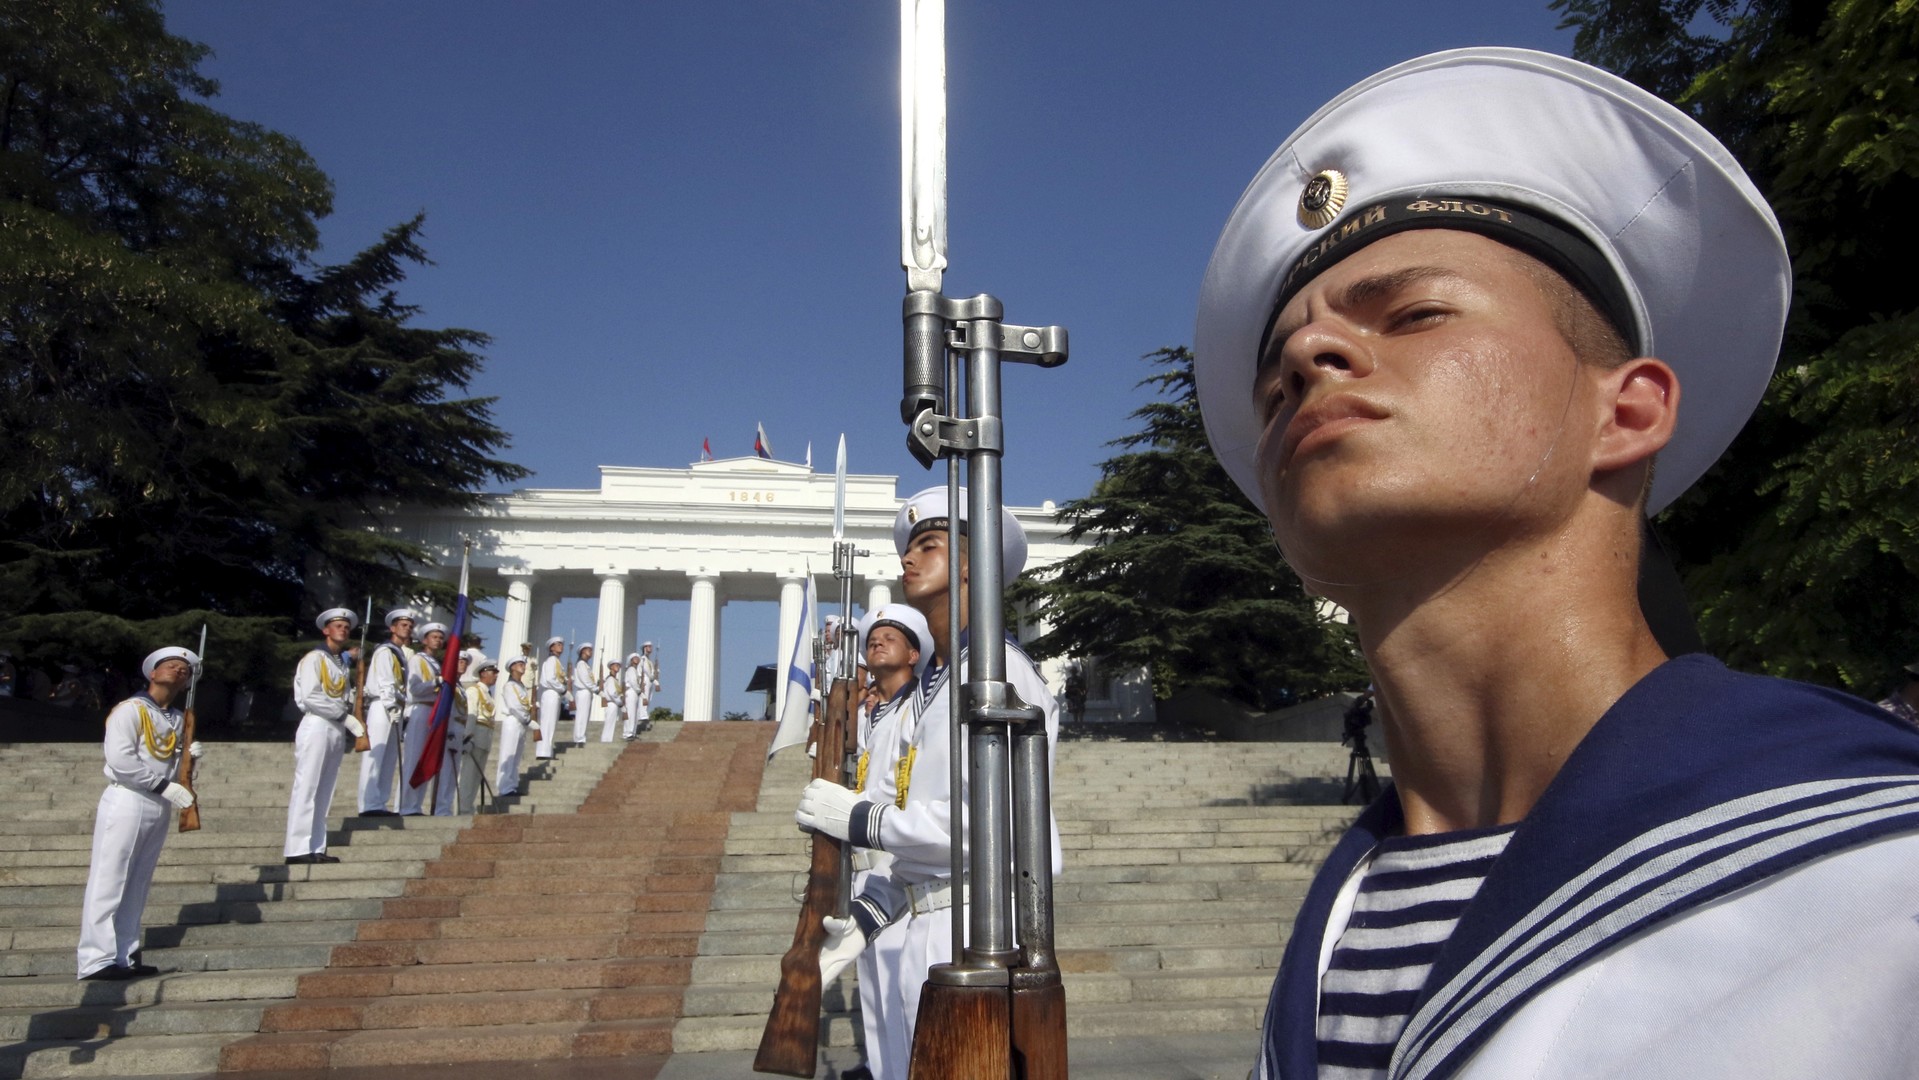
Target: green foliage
column 193, row 416
column 1183, row 575
column 1801, row 548
column 660, row 714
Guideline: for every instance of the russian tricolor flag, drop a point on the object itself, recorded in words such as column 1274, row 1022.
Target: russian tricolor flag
column 761, row 445
column 435, row 748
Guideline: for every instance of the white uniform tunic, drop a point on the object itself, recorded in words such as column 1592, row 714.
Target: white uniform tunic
column 906, row 898
column 512, row 703
column 422, row 690
column 320, row 690
column 142, row 752
column 612, row 705
column 385, row 717
column 585, row 688
column 552, row 690
column 879, row 743
column 630, row 695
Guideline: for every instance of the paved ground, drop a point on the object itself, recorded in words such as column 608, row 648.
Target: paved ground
column 1163, row 1057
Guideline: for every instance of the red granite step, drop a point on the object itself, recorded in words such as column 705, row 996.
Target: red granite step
column 541, row 938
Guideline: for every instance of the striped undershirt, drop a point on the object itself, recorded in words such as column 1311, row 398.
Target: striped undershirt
column 1408, row 903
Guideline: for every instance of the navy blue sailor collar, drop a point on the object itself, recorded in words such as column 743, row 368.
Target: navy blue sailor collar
column 1697, row 782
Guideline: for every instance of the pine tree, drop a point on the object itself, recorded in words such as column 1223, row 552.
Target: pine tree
column 191, row 410
column 1183, row 575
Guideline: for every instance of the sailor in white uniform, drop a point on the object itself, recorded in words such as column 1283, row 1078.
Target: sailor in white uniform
column 385, row 712
column 649, row 681
column 612, row 701
column 898, row 647
column 903, row 914
column 1441, row 341
column 586, row 687
column 513, row 704
column 422, row 690
column 445, row 784
column 552, row 689
column 142, row 749
column 323, row 692
column 630, row 697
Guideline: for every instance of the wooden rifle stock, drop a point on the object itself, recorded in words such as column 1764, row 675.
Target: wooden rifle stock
column 790, row 1043
column 962, row 1033
column 183, row 775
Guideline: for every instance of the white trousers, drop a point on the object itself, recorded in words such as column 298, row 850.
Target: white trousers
column 478, row 743
column 633, row 706
column 582, row 714
column 506, row 778
column 413, row 799
column 128, row 829
column 317, row 749
column 382, row 756
column 902, row 953
column 609, row 719
column 549, row 723
column 445, row 787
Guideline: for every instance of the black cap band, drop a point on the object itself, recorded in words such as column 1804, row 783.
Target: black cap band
column 911, row 638
column 1559, row 247
column 929, row 524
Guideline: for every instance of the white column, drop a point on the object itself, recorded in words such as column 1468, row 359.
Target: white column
column 792, row 595
column 539, row 625
column 702, row 645
column 878, row 595
column 609, row 636
column 515, row 628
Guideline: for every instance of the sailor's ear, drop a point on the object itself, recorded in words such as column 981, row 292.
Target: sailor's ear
column 1640, row 408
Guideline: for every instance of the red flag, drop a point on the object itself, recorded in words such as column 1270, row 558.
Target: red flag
column 761, row 445
column 442, row 715
column 706, row 450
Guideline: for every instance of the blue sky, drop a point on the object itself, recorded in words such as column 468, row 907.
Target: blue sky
column 679, row 219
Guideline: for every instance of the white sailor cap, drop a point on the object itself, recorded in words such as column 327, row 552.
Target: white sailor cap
column 432, row 626
column 630, row 657
column 1627, row 197
column 907, row 620
column 153, row 659
column 555, row 640
column 399, row 613
column 927, row 510
column 646, row 644
column 518, row 661
column 486, row 665
column 330, row 614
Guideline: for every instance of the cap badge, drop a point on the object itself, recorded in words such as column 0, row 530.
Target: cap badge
column 912, row 515
column 1323, row 198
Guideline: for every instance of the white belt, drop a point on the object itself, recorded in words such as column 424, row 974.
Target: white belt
column 866, row 858
column 930, row 896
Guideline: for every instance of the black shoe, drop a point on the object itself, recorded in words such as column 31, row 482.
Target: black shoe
column 857, row 1072
column 141, row 971
column 378, row 813
column 322, row 857
column 110, row 973
column 299, row 860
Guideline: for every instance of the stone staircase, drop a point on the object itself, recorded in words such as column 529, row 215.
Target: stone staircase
column 232, row 927
column 534, row 939
column 1185, row 863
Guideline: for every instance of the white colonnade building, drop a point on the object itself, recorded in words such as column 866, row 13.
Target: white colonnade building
column 737, row 529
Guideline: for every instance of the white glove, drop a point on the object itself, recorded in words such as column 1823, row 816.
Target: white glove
column 195, row 750
column 353, row 726
column 827, row 807
column 842, row 946
column 180, row 797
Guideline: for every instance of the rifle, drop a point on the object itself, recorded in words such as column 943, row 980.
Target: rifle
column 360, row 741
column 190, row 817
column 997, row 1011
column 790, row 1042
